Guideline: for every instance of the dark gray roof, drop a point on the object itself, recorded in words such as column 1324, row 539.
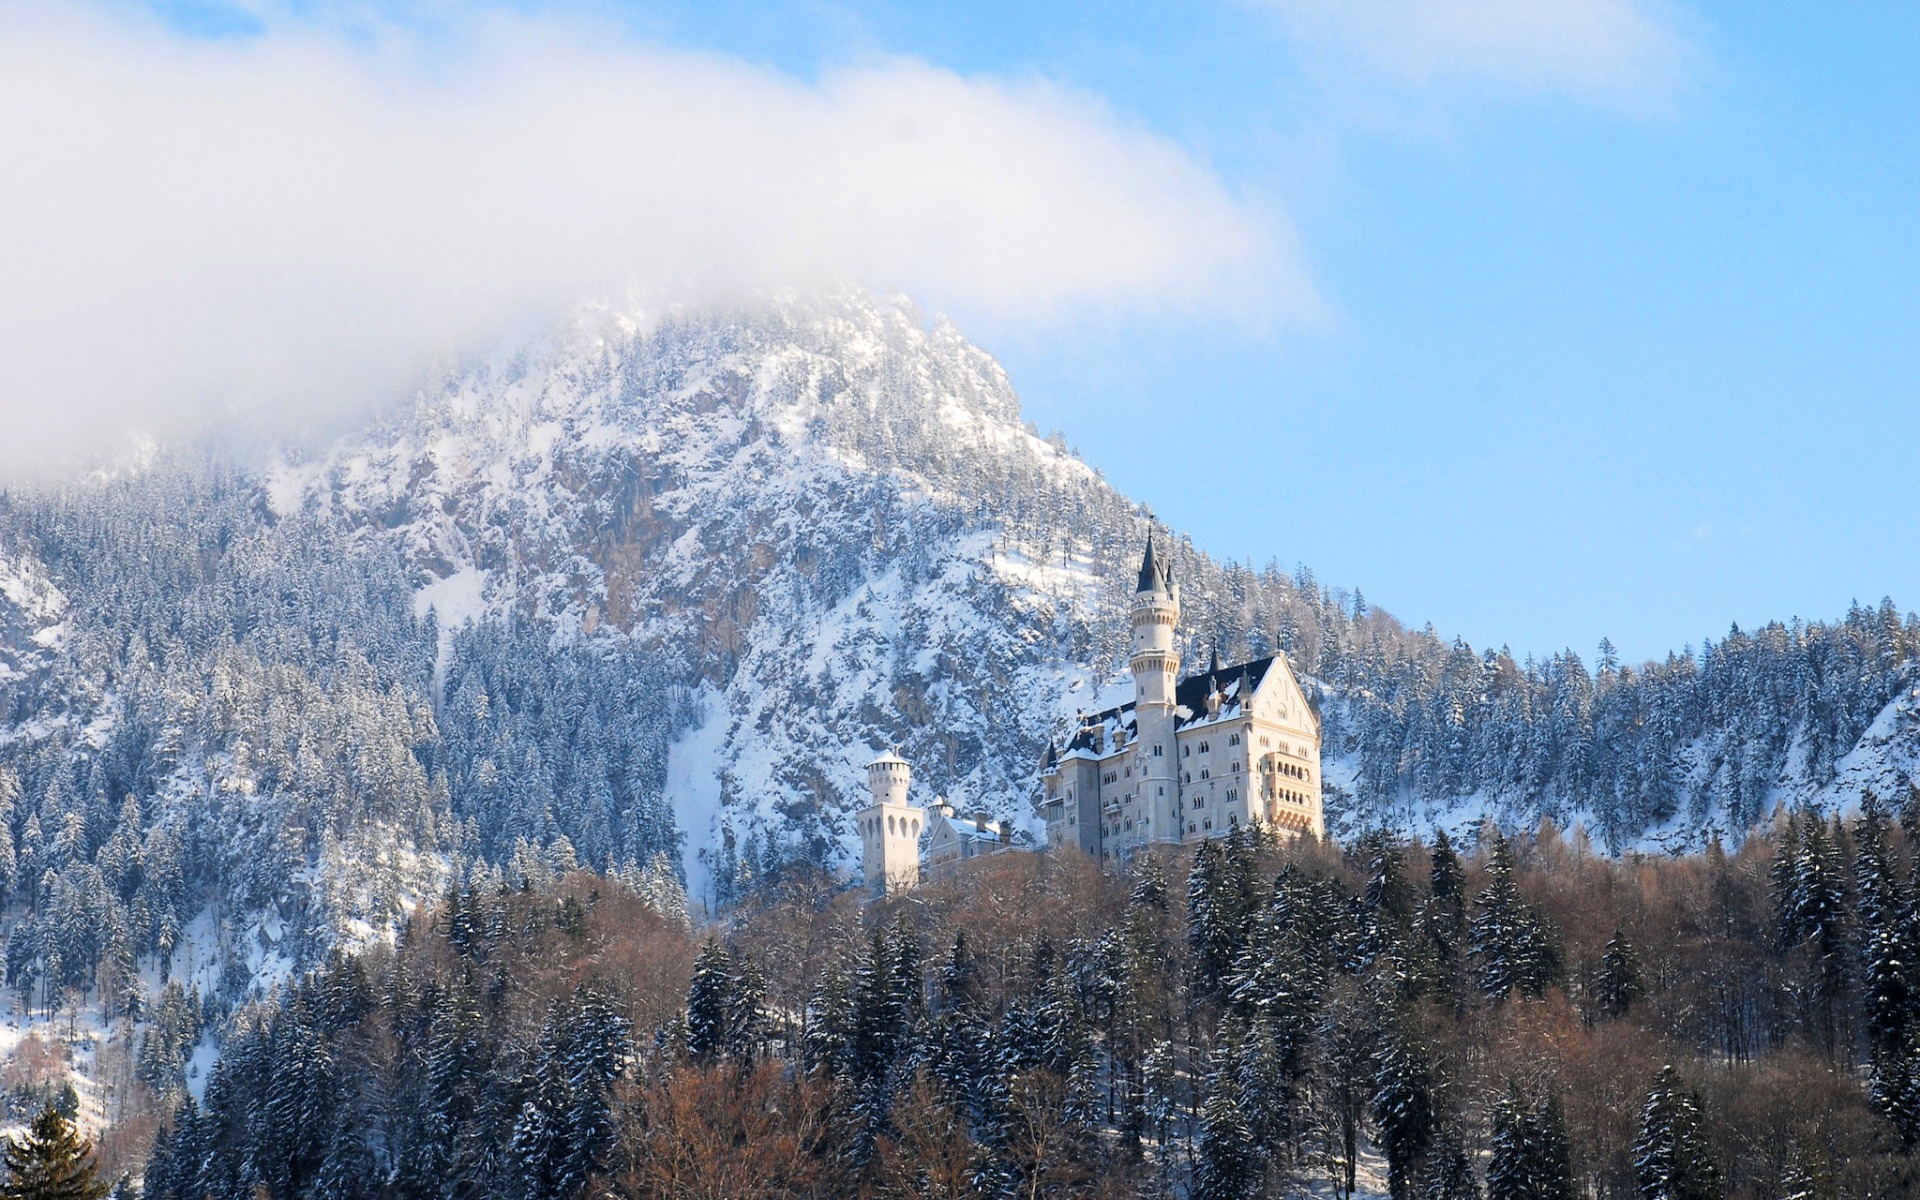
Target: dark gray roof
column 1237, row 682
column 1153, row 577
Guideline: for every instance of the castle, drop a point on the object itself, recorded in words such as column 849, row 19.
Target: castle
column 1187, row 759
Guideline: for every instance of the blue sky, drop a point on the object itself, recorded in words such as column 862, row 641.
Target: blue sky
column 1578, row 333
column 1586, row 372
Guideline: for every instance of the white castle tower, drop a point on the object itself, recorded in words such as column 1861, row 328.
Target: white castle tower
column 890, row 828
column 1156, row 666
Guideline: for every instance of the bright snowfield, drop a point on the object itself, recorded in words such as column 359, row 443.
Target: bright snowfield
column 750, row 549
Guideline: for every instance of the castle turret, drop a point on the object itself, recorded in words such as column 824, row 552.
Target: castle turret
column 890, row 828
column 1156, row 665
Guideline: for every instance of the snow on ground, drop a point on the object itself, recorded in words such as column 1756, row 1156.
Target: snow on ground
column 287, row 486
column 457, row 600
column 693, row 785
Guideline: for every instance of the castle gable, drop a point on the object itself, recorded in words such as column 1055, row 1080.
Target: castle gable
column 1240, row 686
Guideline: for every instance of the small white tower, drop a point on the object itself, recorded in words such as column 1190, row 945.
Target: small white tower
column 890, row 828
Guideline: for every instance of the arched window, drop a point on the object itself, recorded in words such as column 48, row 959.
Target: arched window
column 890, row 825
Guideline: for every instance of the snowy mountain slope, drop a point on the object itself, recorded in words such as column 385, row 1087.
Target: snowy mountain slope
column 800, row 510
column 31, row 613
column 663, row 583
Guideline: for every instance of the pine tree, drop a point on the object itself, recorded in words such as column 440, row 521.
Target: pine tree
column 1887, row 961
column 1816, row 919
column 1619, row 984
column 1513, row 949
column 1210, row 932
column 1447, row 909
column 1671, row 1157
column 1402, row 1104
column 1530, row 1155
column 1450, row 1169
column 1510, row 1161
column 712, row 1004
column 51, row 1161
column 1229, row 1165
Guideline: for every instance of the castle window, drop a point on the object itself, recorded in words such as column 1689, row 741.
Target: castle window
column 1191, row 828
column 1128, row 823
column 1204, row 747
column 1156, row 752
column 1234, row 767
column 1161, row 790
column 1199, row 801
column 1208, row 824
column 1233, row 739
column 1265, row 740
column 1232, row 820
column 1205, row 773
column 1185, row 751
column 1232, row 795
column 1185, row 777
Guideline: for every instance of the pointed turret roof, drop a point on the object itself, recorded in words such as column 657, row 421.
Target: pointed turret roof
column 1153, row 578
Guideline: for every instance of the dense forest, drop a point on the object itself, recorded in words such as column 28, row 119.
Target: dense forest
column 1521, row 1019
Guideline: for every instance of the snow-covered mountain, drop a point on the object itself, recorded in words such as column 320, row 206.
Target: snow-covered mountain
column 656, row 587
column 825, row 520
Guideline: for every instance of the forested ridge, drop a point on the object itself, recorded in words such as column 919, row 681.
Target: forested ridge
column 1524, row 1019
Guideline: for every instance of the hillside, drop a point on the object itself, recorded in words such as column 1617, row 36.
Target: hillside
column 650, row 591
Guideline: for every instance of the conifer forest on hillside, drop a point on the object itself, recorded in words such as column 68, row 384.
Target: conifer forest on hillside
column 1523, row 1019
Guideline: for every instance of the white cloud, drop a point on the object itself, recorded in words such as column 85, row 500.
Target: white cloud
column 1620, row 53
column 283, row 221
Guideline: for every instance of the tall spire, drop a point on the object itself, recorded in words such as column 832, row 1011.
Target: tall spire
column 1213, row 665
column 1152, row 578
